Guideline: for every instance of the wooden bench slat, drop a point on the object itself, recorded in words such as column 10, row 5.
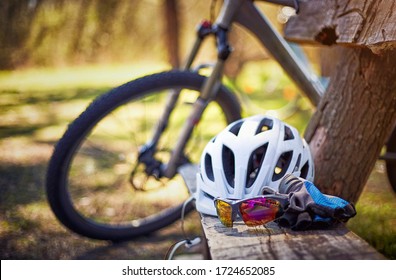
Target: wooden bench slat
column 275, row 243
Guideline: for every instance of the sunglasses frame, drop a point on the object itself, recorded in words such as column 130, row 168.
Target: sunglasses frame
column 234, row 203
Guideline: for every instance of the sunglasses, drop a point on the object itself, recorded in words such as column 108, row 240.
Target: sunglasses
column 255, row 211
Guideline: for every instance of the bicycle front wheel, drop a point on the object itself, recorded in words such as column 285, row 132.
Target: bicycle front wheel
column 89, row 176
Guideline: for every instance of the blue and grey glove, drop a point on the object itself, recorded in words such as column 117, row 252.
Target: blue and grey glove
column 309, row 208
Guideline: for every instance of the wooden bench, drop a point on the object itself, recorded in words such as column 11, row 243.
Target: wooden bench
column 276, row 243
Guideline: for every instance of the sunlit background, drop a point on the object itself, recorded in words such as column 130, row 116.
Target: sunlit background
column 57, row 56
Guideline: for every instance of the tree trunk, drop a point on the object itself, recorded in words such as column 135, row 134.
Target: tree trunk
column 172, row 32
column 353, row 120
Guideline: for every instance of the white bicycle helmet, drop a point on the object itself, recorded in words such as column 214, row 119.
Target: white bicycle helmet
column 248, row 155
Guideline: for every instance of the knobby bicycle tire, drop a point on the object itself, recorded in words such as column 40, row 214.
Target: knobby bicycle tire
column 75, row 145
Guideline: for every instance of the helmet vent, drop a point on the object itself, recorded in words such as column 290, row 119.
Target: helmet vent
column 297, row 163
column 255, row 162
column 282, row 165
column 208, row 196
column 288, row 134
column 228, row 159
column 265, row 124
column 235, row 128
column 209, row 167
column 304, row 170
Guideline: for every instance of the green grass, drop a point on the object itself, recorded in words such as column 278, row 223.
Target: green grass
column 36, row 107
column 376, row 219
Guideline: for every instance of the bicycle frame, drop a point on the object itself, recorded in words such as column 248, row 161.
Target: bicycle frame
column 245, row 13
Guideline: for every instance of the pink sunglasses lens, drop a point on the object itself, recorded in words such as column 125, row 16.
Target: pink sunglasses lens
column 259, row 211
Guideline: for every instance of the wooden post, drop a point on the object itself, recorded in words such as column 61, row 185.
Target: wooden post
column 358, row 111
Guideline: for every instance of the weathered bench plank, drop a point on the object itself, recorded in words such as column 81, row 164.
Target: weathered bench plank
column 369, row 23
column 276, row 243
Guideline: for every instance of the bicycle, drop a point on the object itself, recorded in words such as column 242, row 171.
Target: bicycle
column 104, row 198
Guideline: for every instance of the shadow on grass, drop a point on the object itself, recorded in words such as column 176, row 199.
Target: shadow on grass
column 18, row 98
column 19, row 130
column 21, row 185
column 24, row 113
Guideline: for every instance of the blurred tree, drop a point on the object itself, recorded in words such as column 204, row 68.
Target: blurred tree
column 172, row 34
column 16, row 17
column 58, row 32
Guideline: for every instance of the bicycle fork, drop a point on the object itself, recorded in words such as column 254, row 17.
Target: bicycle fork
column 209, row 90
column 208, row 93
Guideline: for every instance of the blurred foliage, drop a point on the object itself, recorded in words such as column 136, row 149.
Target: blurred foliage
column 58, row 32
column 70, row 32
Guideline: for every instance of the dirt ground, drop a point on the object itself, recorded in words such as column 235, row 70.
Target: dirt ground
column 29, row 230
